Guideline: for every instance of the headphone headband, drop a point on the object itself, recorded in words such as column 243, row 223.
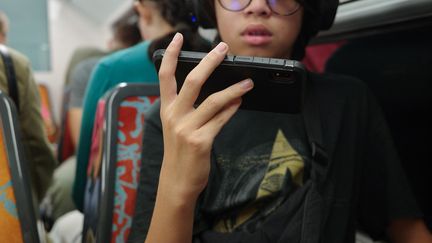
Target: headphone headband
column 201, row 13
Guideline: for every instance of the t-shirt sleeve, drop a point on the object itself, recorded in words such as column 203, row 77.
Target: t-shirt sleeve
column 152, row 155
column 385, row 194
column 79, row 78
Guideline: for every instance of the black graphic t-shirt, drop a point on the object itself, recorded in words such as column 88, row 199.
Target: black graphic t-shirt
column 251, row 177
column 271, row 152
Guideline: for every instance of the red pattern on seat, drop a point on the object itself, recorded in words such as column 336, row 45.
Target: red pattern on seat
column 129, row 144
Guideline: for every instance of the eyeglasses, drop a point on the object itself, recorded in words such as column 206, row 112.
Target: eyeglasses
column 145, row 1
column 280, row 7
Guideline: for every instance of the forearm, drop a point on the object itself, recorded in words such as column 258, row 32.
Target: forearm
column 188, row 135
column 75, row 117
column 173, row 215
column 409, row 231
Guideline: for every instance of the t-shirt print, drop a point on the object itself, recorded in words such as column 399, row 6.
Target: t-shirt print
column 284, row 168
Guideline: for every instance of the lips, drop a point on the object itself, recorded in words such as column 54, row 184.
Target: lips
column 257, row 35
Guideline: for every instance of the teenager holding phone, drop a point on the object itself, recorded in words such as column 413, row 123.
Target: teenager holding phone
column 229, row 175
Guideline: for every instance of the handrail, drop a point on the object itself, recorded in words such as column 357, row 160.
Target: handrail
column 368, row 16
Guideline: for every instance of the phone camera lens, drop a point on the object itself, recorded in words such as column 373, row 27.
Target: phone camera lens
column 282, row 77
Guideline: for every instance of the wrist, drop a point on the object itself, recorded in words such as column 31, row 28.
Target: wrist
column 178, row 194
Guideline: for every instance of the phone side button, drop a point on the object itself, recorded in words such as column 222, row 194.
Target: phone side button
column 229, row 58
column 261, row 60
column 289, row 63
column 243, row 59
column 276, row 61
column 192, row 55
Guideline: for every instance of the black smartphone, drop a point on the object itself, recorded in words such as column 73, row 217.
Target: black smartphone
column 279, row 84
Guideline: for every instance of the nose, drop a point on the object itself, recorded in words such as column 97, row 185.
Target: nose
column 258, row 7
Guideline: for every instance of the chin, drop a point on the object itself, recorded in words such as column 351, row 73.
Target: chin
column 259, row 52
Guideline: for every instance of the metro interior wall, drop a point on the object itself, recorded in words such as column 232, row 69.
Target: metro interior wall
column 29, row 31
column 70, row 29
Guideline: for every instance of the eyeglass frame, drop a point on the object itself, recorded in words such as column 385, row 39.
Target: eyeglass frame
column 299, row 5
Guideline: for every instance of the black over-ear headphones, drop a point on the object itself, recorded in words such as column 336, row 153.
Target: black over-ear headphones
column 201, row 13
column 327, row 11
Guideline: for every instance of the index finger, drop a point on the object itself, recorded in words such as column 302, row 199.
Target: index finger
column 167, row 81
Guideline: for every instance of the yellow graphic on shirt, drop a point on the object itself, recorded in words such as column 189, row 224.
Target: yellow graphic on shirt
column 283, row 158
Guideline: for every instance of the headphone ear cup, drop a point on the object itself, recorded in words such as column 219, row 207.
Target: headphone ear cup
column 328, row 11
column 204, row 14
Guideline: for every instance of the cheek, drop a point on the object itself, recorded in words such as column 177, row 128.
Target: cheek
column 289, row 30
column 224, row 33
column 225, row 22
column 226, row 28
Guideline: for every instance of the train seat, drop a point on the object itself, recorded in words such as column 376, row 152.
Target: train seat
column 124, row 115
column 18, row 218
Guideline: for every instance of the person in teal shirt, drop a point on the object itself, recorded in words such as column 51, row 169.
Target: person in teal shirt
column 132, row 65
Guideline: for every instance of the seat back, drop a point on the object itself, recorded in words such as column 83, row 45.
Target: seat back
column 317, row 55
column 47, row 113
column 125, row 117
column 65, row 146
column 396, row 67
column 124, row 110
column 18, row 219
column 93, row 184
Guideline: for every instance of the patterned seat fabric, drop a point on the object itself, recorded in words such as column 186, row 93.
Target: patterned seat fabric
column 18, row 221
column 92, row 195
column 65, row 147
column 128, row 162
column 95, row 157
column 10, row 228
column 47, row 114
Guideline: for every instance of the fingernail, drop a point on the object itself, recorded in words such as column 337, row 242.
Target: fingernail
column 221, row 47
column 177, row 37
column 247, row 84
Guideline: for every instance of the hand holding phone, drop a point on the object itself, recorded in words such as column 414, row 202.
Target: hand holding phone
column 279, row 84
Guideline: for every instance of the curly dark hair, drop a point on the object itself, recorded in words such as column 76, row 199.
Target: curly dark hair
column 175, row 12
column 178, row 14
column 127, row 33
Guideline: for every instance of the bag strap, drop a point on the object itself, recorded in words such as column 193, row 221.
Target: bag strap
column 312, row 121
column 315, row 216
column 10, row 74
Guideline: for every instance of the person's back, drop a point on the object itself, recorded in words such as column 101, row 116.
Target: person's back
column 131, row 65
column 38, row 151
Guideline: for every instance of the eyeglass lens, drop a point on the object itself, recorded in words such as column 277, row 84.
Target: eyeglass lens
column 282, row 7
